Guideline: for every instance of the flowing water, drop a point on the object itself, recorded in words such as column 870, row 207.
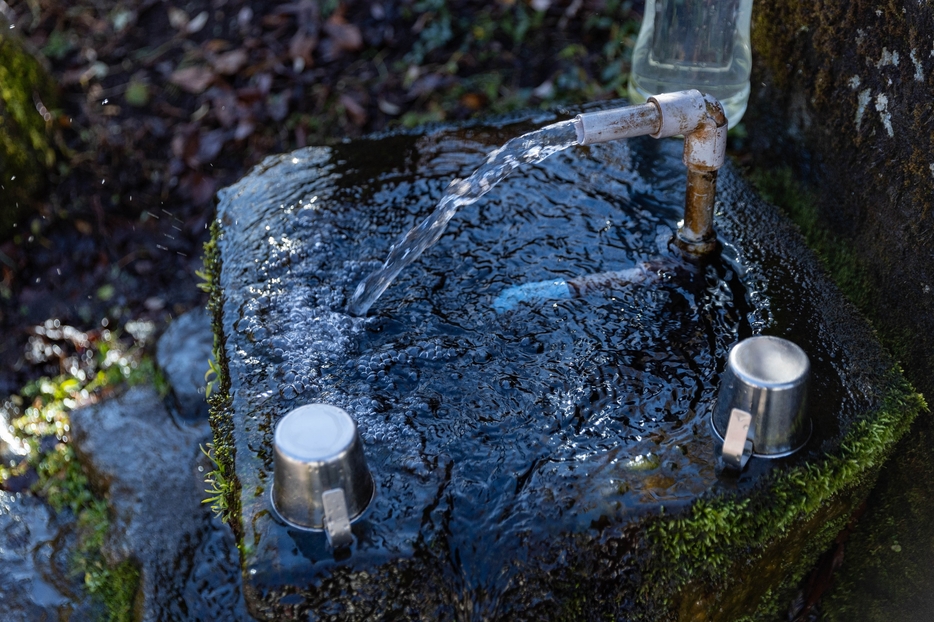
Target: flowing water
column 529, row 148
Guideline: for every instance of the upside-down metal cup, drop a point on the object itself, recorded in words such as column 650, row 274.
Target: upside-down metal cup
column 761, row 409
column 321, row 480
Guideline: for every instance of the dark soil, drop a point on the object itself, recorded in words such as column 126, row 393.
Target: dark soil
column 165, row 103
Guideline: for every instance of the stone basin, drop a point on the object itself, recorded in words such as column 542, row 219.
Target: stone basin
column 554, row 462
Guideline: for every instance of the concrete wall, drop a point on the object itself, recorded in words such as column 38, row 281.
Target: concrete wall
column 843, row 108
column 844, row 93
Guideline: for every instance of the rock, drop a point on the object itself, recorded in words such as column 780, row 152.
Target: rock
column 486, row 432
column 27, row 93
column 28, row 546
column 888, row 563
column 183, row 353
column 152, row 473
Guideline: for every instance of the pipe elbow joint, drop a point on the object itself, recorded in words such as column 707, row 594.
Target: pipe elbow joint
column 702, row 121
column 705, row 147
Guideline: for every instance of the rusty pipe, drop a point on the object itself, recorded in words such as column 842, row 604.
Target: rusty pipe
column 702, row 122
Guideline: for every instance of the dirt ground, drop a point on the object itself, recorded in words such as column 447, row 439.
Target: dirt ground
column 165, row 103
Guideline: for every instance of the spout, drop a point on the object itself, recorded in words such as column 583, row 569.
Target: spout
column 697, row 116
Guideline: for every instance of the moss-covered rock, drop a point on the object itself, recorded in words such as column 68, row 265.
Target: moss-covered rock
column 888, row 567
column 27, row 94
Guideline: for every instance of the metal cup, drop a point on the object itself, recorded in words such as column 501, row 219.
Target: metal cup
column 761, row 407
column 320, row 479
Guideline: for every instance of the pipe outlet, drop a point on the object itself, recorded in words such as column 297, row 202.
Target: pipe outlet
column 700, row 119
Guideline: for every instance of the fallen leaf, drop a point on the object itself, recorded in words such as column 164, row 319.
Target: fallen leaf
column 154, row 303
column 250, row 94
column 545, row 90
column 355, row 111
column 210, row 145
column 215, row 46
column 244, row 129
column 264, row 82
column 300, row 49
column 230, row 63
column 226, row 106
column 176, row 167
column 345, row 36
column 278, row 106
column 72, row 76
column 192, row 79
column 197, row 23
column 185, row 145
column 427, row 84
column 274, row 20
column 199, row 187
column 97, row 71
column 473, row 101
column 137, row 93
column 245, row 17
column 178, row 18
column 123, row 18
column 388, row 107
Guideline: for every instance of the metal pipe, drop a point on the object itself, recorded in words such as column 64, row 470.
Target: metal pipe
column 702, row 122
column 614, row 124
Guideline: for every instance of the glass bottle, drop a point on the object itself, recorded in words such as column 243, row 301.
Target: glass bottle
column 694, row 44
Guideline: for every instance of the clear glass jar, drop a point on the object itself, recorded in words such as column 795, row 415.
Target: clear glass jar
column 694, row 44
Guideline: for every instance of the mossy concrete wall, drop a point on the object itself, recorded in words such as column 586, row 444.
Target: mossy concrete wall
column 844, row 91
column 27, row 94
column 841, row 129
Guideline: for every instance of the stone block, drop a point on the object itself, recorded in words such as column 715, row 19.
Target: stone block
column 557, row 462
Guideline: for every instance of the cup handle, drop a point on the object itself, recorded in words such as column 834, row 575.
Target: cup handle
column 336, row 519
column 737, row 442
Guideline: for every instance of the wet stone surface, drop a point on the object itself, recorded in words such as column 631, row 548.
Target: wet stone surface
column 153, row 479
column 183, row 353
column 34, row 579
column 514, row 453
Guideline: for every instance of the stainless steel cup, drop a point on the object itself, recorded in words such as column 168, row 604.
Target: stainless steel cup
column 321, row 480
column 761, row 407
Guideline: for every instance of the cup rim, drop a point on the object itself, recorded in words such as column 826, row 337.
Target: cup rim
column 741, row 369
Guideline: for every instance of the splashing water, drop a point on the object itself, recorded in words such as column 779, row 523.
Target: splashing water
column 529, row 148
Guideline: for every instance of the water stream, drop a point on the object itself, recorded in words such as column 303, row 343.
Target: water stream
column 529, row 148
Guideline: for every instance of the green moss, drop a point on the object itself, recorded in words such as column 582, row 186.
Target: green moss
column 41, row 411
column 26, row 92
column 697, row 551
column 886, row 574
column 224, row 484
column 64, row 484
